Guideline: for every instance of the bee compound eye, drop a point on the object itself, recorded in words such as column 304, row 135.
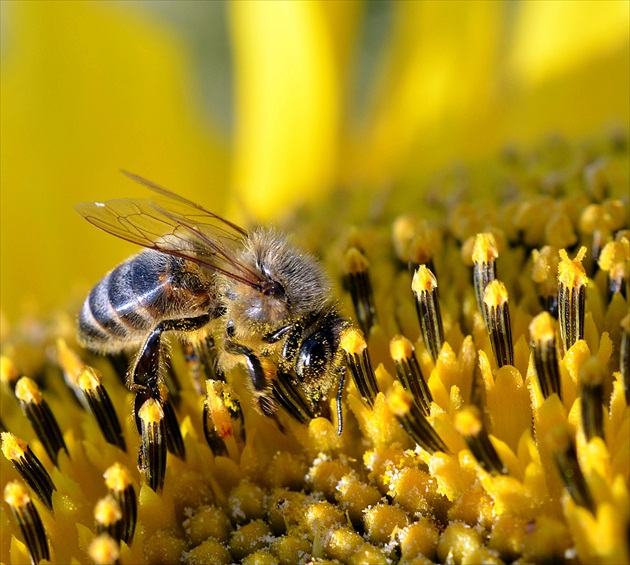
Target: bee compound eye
column 314, row 356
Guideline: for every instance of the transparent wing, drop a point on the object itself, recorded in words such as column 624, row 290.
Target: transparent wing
column 187, row 208
column 174, row 225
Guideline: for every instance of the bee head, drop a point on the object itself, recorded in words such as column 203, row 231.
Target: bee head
column 272, row 288
column 292, row 283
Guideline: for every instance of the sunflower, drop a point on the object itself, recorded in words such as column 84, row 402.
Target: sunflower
column 461, row 169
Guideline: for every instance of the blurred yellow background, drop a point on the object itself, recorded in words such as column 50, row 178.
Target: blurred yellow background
column 253, row 107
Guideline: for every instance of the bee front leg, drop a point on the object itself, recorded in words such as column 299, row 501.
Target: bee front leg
column 257, row 375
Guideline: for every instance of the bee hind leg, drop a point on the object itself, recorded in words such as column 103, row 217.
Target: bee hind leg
column 144, row 379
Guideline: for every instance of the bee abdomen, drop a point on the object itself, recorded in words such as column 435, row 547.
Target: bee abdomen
column 138, row 294
column 112, row 315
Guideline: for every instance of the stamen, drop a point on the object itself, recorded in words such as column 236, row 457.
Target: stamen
column 152, row 455
column 497, row 316
column 409, row 373
column 71, row 365
column 29, row 467
column 221, row 412
column 596, row 221
column 544, row 274
column 592, row 377
column 425, row 288
column 39, row 414
column 213, row 438
column 27, row 517
column 108, row 517
column 119, row 484
column 562, row 446
column 542, row 331
column 571, row 297
column 9, row 374
column 104, row 550
column 101, row 406
column 410, row 416
column 360, row 364
column 415, row 241
column 624, row 355
column 614, row 260
column 174, row 439
column 597, row 178
column 484, row 257
column 404, row 229
column 469, row 424
column 357, row 280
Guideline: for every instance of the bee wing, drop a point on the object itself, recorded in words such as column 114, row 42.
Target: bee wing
column 188, row 208
column 178, row 227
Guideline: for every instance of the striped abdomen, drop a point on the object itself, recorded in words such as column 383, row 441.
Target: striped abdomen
column 138, row 294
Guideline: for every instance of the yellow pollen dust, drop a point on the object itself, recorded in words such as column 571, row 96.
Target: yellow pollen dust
column 400, row 348
column 8, row 371
column 468, row 422
column 104, row 549
column 352, row 341
column 26, row 390
column 485, row 249
column 16, row 495
column 107, row 510
column 423, row 280
column 117, row 477
column 356, row 262
column 495, row 294
column 151, row 411
column 571, row 272
column 543, row 327
column 12, row 447
column 88, row 379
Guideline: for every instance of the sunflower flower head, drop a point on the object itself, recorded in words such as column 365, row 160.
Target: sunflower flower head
column 482, row 407
column 496, row 413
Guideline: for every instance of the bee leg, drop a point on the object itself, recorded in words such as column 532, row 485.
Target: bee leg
column 254, row 367
column 293, row 333
column 268, row 407
column 144, row 378
column 266, row 404
column 290, row 398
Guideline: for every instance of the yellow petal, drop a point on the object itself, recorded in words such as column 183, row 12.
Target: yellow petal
column 88, row 88
column 435, row 88
column 289, row 64
column 569, row 68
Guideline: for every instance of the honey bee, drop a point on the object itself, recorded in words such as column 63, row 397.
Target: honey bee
column 265, row 303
